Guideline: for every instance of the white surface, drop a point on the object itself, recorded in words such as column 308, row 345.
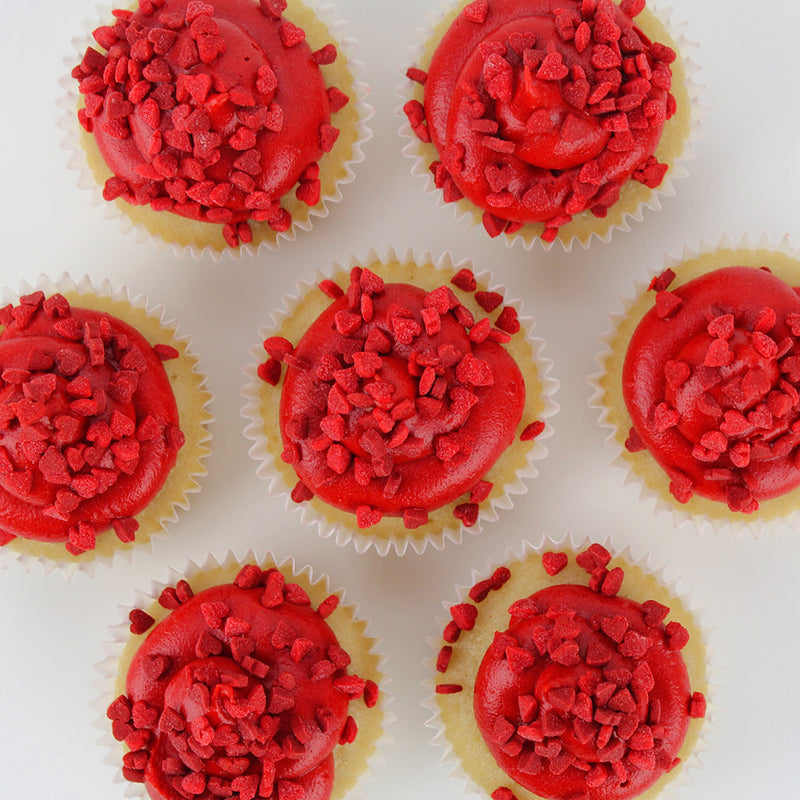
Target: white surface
column 746, row 177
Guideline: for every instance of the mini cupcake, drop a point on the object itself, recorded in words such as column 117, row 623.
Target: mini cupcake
column 400, row 402
column 216, row 125
column 700, row 385
column 551, row 688
column 242, row 681
column 103, row 427
column 556, row 121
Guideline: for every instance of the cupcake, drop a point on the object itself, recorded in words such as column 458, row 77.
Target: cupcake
column 243, row 681
column 550, row 120
column 700, row 385
column 103, row 427
column 569, row 674
column 217, row 125
column 399, row 401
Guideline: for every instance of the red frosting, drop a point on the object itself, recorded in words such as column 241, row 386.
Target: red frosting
column 243, row 690
column 586, row 693
column 88, row 423
column 711, row 382
column 213, row 112
column 396, row 401
column 542, row 109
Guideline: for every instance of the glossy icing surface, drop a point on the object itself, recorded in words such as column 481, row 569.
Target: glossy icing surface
column 710, row 382
column 89, row 428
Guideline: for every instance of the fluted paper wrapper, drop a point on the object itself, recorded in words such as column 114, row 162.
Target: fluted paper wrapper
column 192, row 398
column 511, row 472
column 202, row 238
column 465, row 755
column 354, row 763
column 675, row 147
column 640, row 469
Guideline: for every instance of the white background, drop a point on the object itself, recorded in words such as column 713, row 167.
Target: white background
column 746, row 177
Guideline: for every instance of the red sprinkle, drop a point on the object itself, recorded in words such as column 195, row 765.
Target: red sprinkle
column 451, row 632
column 464, row 279
column 278, row 347
column 507, row 320
column 467, row 513
column 662, row 281
column 677, row 636
column 140, row 621
column 477, row 11
column 503, row 793
column 531, row 431
column 464, row 615
column 667, row 304
column 480, row 491
column 697, row 705
column 553, row 563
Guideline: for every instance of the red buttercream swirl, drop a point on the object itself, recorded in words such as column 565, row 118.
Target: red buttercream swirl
column 396, row 402
column 88, row 423
column 243, row 690
column 542, row 109
column 586, row 693
column 711, row 380
column 212, row 112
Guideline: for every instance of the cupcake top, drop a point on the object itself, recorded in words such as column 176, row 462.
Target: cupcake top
column 212, row 112
column 396, row 400
column 241, row 689
column 710, row 381
column 696, row 383
column 89, row 425
column 540, row 111
column 576, row 690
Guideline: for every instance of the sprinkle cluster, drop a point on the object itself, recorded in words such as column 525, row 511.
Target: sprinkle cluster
column 595, row 81
column 68, row 429
column 155, row 84
column 231, row 728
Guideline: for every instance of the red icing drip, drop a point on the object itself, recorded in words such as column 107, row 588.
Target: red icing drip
column 583, row 695
column 243, row 689
column 213, row 112
column 390, row 407
column 711, row 383
column 88, row 423
column 541, row 110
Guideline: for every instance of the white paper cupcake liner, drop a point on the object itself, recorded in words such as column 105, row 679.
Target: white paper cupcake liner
column 174, row 496
column 691, row 763
column 212, row 572
column 774, row 516
column 303, row 216
column 343, row 529
column 585, row 227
